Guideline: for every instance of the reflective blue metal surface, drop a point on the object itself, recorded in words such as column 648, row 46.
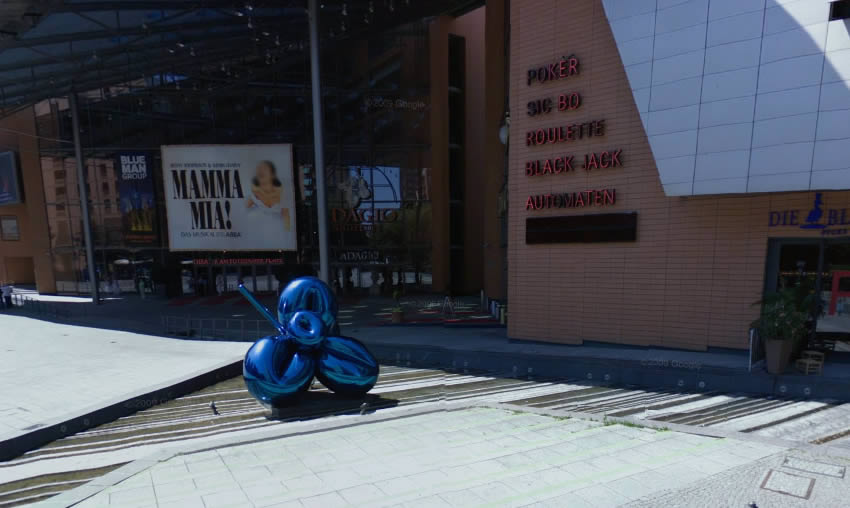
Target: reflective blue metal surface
column 308, row 293
column 274, row 371
column 306, row 329
column 346, row 367
column 278, row 368
column 266, row 313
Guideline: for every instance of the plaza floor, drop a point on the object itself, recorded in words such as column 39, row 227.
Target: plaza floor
column 481, row 457
column 72, row 461
column 51, row 371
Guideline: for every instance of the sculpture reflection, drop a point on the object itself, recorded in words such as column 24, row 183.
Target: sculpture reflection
column 279, row 367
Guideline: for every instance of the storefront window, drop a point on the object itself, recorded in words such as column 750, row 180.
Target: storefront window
column 9, row 230
column 823, row 266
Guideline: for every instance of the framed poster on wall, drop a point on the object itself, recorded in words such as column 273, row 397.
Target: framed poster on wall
column 229, row 197
column 136, row 193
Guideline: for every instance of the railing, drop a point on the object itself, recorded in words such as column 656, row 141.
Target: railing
column 41, row 308
column 177, row 326
column 217, row 328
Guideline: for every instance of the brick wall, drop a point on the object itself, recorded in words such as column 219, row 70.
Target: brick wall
column 699, row 262
column 27, row 260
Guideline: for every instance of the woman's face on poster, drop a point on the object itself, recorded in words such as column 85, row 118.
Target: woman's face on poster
column 265, row 175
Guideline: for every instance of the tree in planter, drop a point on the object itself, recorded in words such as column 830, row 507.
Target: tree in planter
column 783, row 323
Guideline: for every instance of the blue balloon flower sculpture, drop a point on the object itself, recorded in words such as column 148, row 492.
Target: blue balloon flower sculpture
column 308, row 344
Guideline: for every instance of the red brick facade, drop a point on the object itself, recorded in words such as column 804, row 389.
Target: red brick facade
column 690, row 279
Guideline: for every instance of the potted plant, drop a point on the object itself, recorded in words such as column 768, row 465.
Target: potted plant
column 783, row 324
column 398, row 311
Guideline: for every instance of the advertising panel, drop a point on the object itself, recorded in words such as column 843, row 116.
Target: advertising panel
column 10, row 192
column 135, row 190
column 229, row 197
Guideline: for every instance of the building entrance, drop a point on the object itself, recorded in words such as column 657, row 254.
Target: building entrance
column 824, row 267
column 207, row 277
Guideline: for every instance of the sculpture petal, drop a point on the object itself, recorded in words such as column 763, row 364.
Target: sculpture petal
column 308, row 293
column 275, row 371
column 306, row 328
column 346, row 367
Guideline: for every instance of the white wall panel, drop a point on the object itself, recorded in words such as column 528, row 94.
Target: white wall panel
column 726, row 8
column 837, row 66
column 776, row 160
column 678, row 144
column 838, row 35
column 790, row 73
column 676, row 170
column 677, row 68
column 739, row 96
column 681, row 16
column 834, row 125
column 721, row 186
column 793, row 15
column 735, row 28
column 809, row 40
column 781, row 131
column 835, row 95
column 673, row 120
column 735, row 55
column 679, row 189
column 831, row 155
column 722, row 165
column 727, row 112
column 787, row 102
column 640, row 75
column 663, row 4
column 642, row 99
column 833, row 180
column 681, row 41
column 628, row 8
column 635, row 27
column 787, row 183
column 729, row 85
column 724, row 138
column 637, row 51
column 675, row 95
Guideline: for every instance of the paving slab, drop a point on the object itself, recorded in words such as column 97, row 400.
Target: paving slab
column 478, row 463
column 51, row 372
column 783, row 480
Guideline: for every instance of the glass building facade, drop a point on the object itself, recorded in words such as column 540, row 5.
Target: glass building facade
column 376, row 94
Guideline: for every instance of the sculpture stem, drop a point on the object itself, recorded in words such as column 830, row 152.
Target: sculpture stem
column 262, row 309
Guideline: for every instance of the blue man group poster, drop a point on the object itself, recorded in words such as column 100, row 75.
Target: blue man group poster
column 136, row 192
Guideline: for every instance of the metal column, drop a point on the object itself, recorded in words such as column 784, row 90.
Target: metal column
column 318, row 140
column 84, row 199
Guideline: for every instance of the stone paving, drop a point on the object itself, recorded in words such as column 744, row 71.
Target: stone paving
column 473, row 457
column 778, row 481
column 50, row 370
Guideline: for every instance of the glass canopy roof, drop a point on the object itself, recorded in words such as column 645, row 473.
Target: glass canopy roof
column 49, row 48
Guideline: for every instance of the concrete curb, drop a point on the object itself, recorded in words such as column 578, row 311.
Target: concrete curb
column 14, row 445
column 613, row 371
column 83, row 492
